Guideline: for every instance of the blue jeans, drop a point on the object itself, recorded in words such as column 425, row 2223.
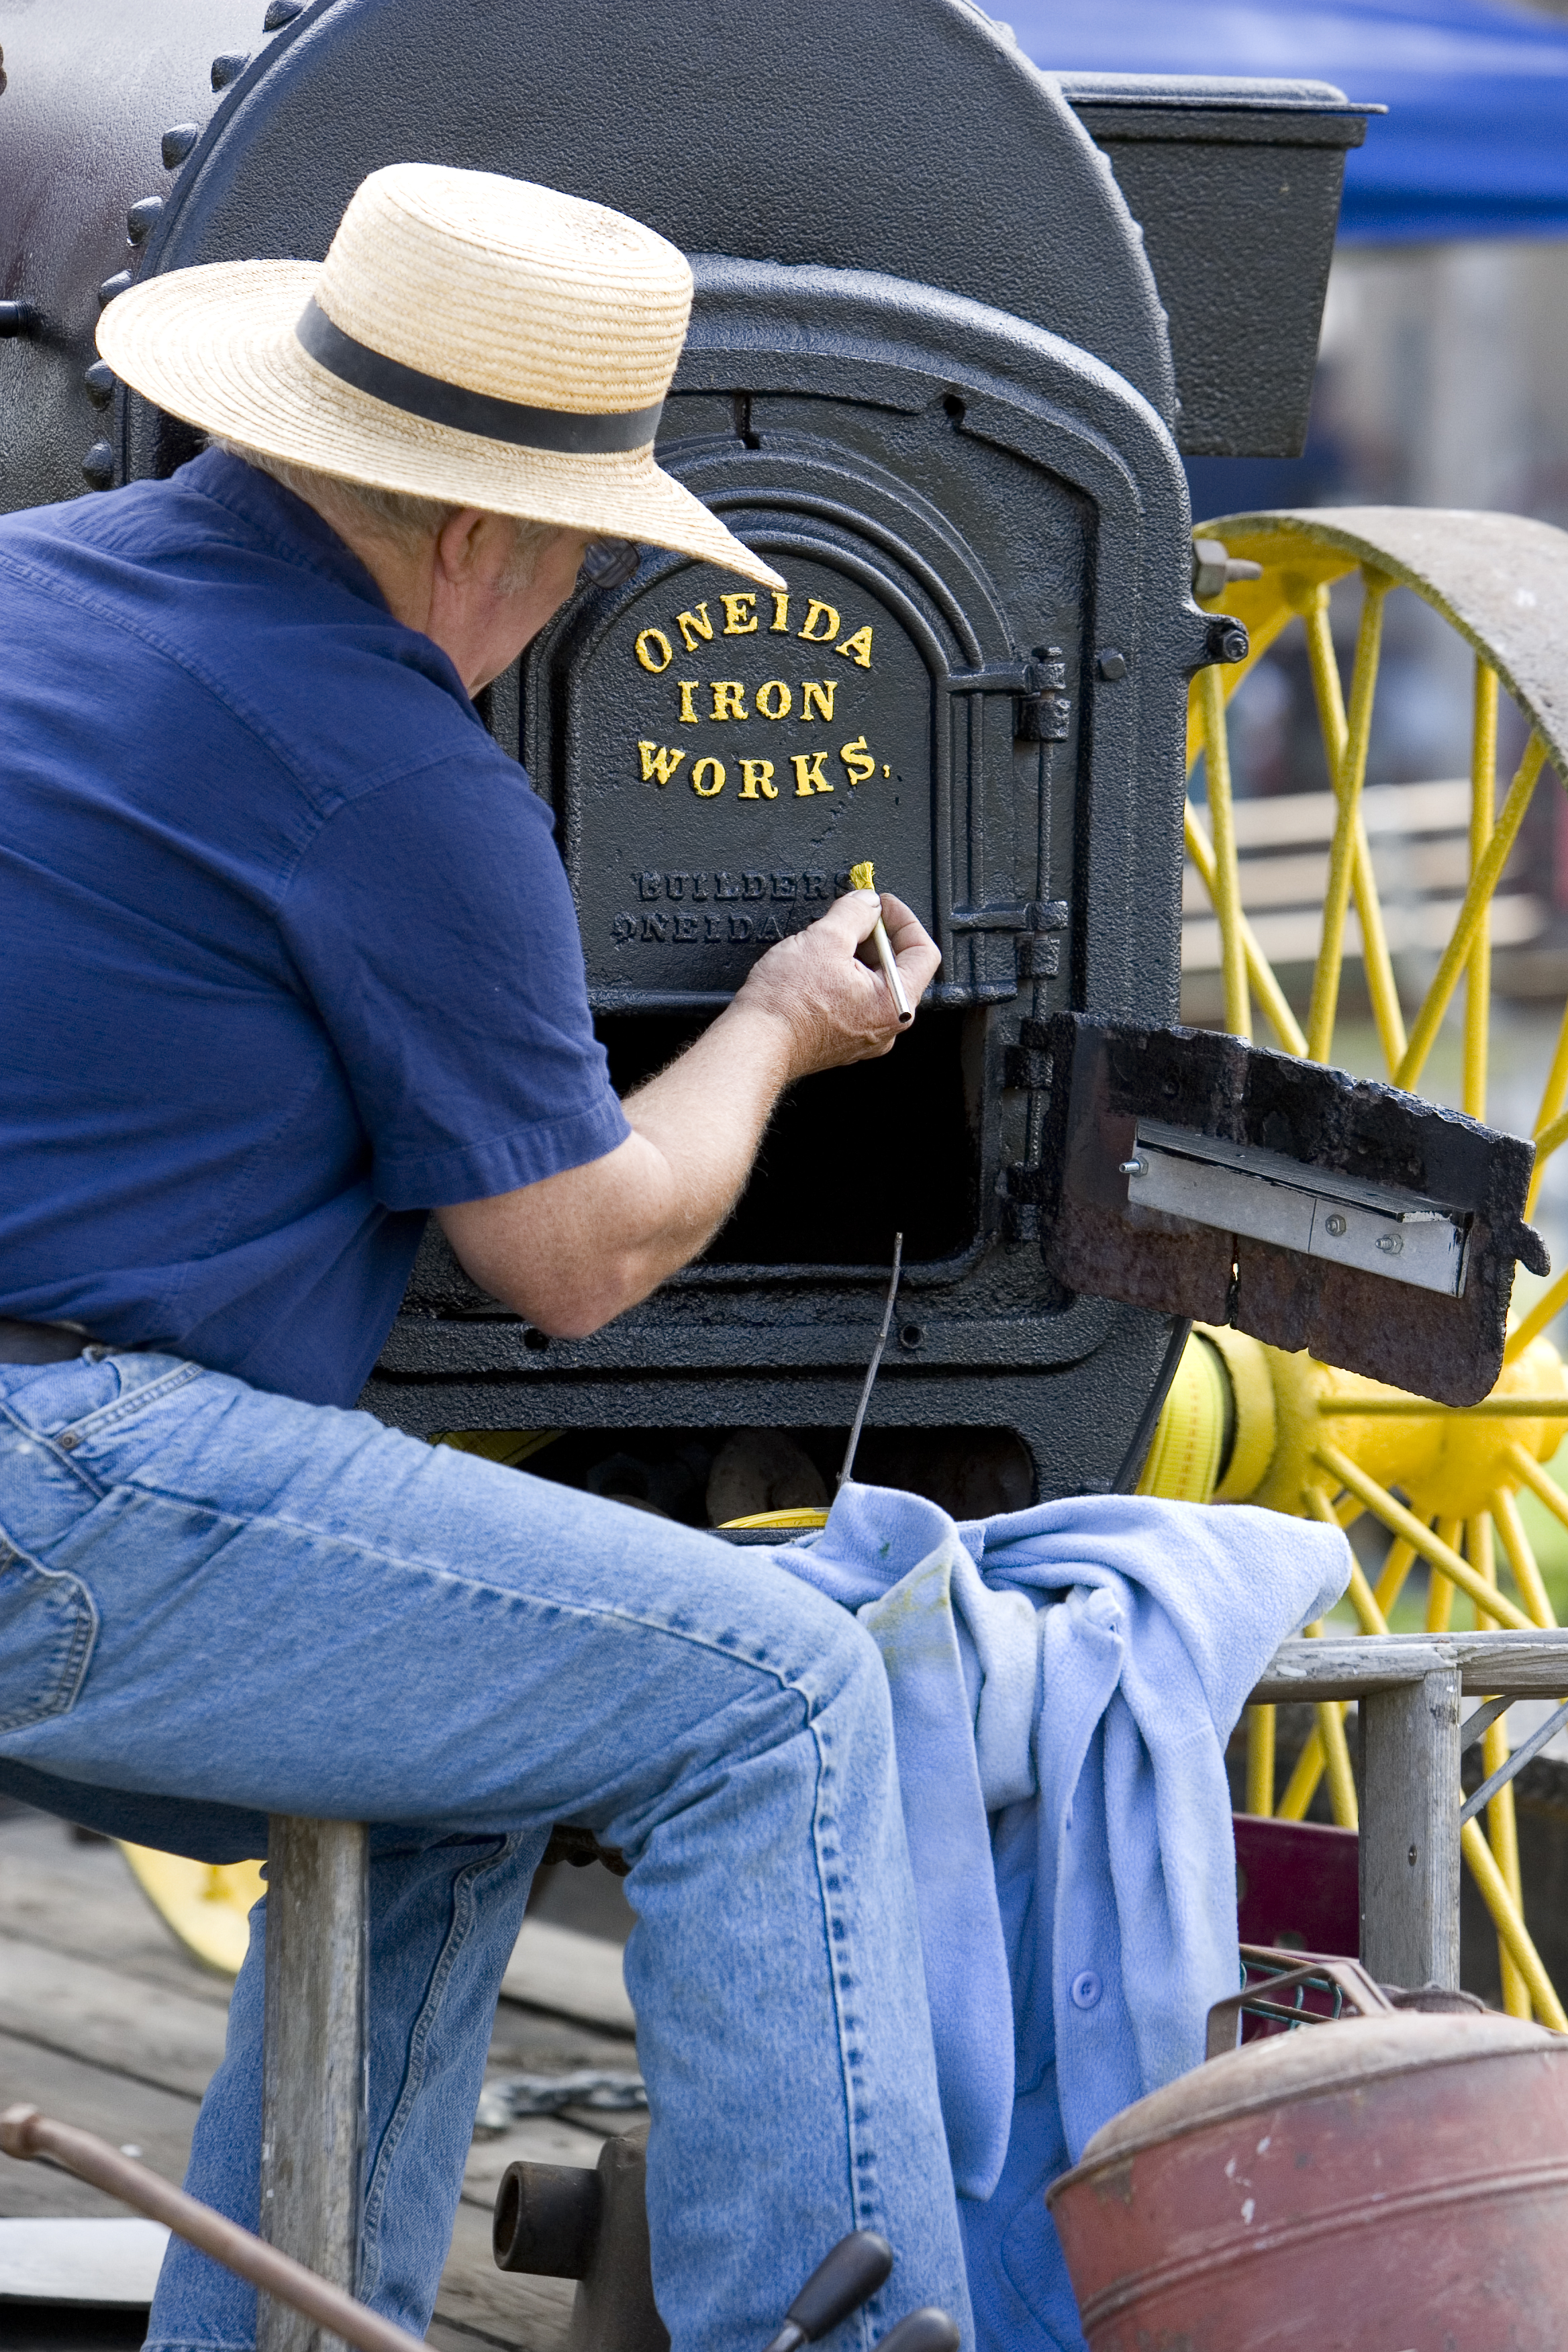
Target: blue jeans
column 211, row 1593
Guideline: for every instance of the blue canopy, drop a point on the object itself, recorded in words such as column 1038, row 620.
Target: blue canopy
column 1475, row 142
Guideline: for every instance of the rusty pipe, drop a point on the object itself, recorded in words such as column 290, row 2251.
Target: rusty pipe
column 25, row 2133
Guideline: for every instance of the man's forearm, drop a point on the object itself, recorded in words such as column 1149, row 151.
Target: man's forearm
column 580, row 1249
column 707, row 1113
column 576, row 1249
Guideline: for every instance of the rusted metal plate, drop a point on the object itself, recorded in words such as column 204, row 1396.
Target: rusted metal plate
column 1364, row 2187
column 1108, row 1077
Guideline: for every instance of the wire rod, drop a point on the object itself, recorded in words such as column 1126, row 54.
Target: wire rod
column 872, row 1367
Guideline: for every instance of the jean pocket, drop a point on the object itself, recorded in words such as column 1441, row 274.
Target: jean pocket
column 48, row 1626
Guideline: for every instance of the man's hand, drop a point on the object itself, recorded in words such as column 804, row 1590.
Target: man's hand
column 574, row 1251
column 835, row 1002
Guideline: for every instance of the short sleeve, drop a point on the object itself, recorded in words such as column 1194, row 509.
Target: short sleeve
column 433, row 929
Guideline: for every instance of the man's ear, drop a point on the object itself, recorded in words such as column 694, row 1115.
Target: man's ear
column 464, row 543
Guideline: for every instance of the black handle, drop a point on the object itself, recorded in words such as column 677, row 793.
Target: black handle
column 839, row 2284
column 923, row 2331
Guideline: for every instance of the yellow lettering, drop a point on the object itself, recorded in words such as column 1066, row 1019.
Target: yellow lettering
column 775, row 699
column 644, row 651
column 755, row 773
column 857, row 762
column 780, row 615
column 817, row 611
column 808, row 775
column 691, row 628
column 689, row 714
column 657, row 765
column 816, row 699
column 858, row 649
column 740, row 614
column 714, row 767
column 729, row 697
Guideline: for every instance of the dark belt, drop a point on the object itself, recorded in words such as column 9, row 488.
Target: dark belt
column 42, row 1343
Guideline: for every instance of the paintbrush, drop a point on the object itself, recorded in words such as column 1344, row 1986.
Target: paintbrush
column 860, row 879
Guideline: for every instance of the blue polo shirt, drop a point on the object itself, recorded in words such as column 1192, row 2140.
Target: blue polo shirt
column 287, row 953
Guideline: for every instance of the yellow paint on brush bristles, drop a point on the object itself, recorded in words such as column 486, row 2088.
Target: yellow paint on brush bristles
column 860, row 879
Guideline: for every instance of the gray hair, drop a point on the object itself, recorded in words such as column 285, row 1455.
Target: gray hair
column 396, row 516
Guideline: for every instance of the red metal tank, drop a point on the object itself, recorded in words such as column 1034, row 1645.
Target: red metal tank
column 1393, row 2183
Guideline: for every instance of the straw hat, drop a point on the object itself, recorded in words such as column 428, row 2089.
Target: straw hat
column 469, row 338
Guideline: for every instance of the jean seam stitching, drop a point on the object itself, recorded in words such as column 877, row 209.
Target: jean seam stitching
column 69, row 1677
column 465, row 1913
column 866, row 2213
column 123, row 1407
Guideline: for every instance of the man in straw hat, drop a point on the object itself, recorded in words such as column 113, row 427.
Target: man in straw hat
column 291, row 961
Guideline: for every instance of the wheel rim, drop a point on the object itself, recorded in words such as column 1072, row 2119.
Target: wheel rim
column 1338, row 1447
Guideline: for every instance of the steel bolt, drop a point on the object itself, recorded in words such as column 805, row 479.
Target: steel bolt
column 1226, row 640
column 178, row 142
column 280, row 12
column 113, row 286
column 229, row 66
column 97, row 472
column 1391, row 1244
column 1335, row 1226
column 1111, row 664
column 143, row 219
column 100, row 381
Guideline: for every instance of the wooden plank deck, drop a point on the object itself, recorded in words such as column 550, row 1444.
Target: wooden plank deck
column 105, row 2022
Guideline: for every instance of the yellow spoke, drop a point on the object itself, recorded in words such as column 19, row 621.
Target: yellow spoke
column 1439, row 1604
column 1348, row 781
column 1267, row 989
column 1483, row 815
column 1261, row 1722
column 1477, row 898
column 1226, row 891
column 1325, row 676
column 1482, row 1557
column 1554, row 1094
column 1521, row 1556
column 1337, row 1764
column 1509, row 1923
column 1540, row 1484
column 1359, row 1592
column 1545, row 1310
column 1376, row 961
column 1401, row 1522
column 1375, row 958
column 1395, row 1569
column 1302, row 1786
column 1553, row 1134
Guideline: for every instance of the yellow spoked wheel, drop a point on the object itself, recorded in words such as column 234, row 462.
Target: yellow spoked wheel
column 1299, row 1436
column 205, row 1904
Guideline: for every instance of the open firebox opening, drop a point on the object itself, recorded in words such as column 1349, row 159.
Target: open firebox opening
column 852, row 1156
column 705, row 1477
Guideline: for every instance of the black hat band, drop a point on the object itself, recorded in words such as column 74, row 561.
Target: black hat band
column 573, row 435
